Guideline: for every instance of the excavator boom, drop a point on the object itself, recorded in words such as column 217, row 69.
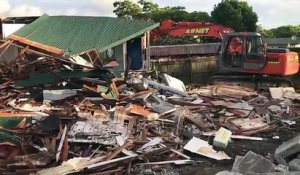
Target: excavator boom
column 206, row 29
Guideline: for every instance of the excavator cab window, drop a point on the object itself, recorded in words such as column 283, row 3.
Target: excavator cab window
column 244, row 52
column 255, row 57
column 234, row 52
column 254, row 46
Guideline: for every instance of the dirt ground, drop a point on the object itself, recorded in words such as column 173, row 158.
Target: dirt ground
column 206, row 166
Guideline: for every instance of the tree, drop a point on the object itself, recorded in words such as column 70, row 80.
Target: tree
column 148, row 6
column 280, row 32
column 286, row 31
column 173, row 13
column 235, row 14
column 264, row 32
column 127, row 9
column 198, row 16
column 145, row 9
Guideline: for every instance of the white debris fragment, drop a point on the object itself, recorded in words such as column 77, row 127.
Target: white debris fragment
column 202, row 147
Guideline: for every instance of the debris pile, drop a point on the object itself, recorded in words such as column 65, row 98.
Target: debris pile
column 60, row 116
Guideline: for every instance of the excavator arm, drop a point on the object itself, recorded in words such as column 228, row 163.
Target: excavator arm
column 206, row 29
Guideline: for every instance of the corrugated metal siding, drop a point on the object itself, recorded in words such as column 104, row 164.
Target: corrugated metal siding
column 188, row 49
column 192, row 70
column 282, row 41
column 77, row 34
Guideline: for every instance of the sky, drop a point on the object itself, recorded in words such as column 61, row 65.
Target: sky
column 272, row 13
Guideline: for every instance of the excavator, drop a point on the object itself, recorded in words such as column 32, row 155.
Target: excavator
column 243, row 57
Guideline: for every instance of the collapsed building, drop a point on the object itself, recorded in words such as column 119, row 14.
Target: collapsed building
column 96, row 39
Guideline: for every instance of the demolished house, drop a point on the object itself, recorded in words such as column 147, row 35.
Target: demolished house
column 65, row 110
column 98, row 40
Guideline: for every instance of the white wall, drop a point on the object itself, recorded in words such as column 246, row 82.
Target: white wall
column 10, row 28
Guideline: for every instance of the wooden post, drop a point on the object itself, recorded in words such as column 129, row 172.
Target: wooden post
column 148, row 61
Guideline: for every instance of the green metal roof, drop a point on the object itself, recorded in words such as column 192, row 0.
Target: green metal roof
column 77, row 34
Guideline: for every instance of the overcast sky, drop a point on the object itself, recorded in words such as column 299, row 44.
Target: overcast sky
column 272, row 13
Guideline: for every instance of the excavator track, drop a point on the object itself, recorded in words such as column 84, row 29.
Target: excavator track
column 257, row 82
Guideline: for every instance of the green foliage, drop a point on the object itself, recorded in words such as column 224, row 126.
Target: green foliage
column 280, row 32
column 146, row 10
column 173, row 13
column 267, row 33
column 127, row 9
column 198, row 16
column 264, row 32
column 286, row 31
column 148, row 6
column 235, row 14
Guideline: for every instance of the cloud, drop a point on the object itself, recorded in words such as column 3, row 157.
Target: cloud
column 72, row 11
column 105, row 7
column 274, row 13
column 68, row 12
column 25, row 10
column 196, row 5
column 4, row 7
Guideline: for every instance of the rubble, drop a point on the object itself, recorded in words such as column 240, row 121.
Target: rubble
column 282, row 92
column 252, row 163
column 228, row 173
column 288, row 148
column 85, row 119
column 294, row 165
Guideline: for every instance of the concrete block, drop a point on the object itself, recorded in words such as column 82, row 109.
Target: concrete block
column 227, row 173
column 294, row 165
column 289, row 147
column 222, row 138
column 252, row 163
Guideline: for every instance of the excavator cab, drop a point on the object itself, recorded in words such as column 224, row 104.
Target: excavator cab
column 242, row 51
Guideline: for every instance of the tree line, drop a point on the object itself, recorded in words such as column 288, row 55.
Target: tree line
column 238, row 15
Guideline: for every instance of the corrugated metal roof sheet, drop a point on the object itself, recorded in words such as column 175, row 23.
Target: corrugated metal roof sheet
column 282, row 40
column 77, row 34
column 187, row 49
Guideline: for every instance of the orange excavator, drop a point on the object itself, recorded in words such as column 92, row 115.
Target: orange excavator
column 243, row 57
